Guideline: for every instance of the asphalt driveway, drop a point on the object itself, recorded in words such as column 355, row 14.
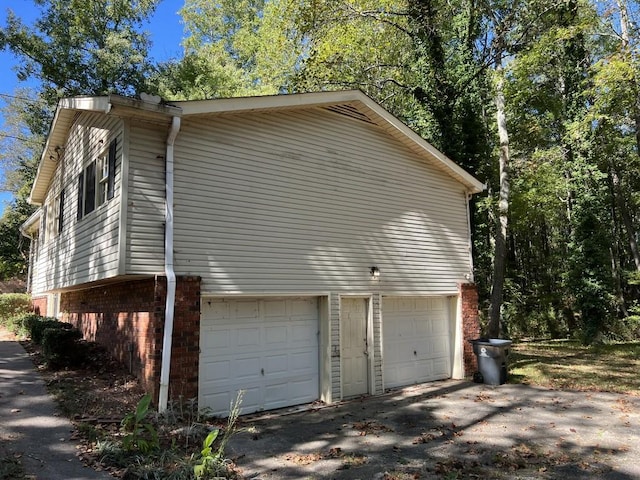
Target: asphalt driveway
column 449, row 430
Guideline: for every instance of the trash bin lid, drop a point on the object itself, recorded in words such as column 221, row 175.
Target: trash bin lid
column 494, row 342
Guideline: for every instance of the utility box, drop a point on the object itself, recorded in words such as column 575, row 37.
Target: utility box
column 492, row 356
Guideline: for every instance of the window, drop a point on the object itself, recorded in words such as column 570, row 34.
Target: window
column 96, row 182
column 54, row 216
column 60, row 212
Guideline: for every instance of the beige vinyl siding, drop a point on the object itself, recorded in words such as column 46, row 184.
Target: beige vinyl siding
column 308, row 201
column 86, row 250
column 146, row 204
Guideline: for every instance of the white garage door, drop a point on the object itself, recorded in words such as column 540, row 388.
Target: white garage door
column 416, row 340
column 266, row 347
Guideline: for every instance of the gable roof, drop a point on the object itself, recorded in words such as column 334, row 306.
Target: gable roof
column 352, row 103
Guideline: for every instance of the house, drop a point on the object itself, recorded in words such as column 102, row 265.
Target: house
column 298, row 247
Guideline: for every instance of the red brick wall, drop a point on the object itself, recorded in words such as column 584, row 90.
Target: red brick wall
column 39, row 305
column 185, row 351
column 470, row 325
column 128, row 319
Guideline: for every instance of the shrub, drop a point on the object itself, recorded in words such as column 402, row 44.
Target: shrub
column 20, row 324
column 60, row 345
column 36, row 325
column 12, row 305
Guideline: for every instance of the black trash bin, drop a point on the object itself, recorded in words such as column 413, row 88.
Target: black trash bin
column 492, row 356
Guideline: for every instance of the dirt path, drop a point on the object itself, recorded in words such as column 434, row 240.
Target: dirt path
column 450, row 430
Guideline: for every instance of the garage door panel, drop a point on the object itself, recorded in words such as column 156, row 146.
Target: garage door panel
column 276, row 364
column 247, row 337
column 276, row 335
column 275, row 308
column 245, row 310
column 303, row 362
column 439, row 323
column 217, row 371
column 440, row 347
column 214, row 341
column 276, row 395
column 303, row 334
column 268, row 347
column 415, row 340
column 441, row 367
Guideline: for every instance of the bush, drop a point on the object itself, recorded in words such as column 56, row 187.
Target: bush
column 60, row 345
column 19, row 324
column 12, row 305
column 36, row 325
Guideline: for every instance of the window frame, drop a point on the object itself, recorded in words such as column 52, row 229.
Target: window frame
column 96, row 181
column 53, row 213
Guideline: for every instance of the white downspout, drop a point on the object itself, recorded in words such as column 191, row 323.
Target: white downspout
column 165, row 368
column 470, row 278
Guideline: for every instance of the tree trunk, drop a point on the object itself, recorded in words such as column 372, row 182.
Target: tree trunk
column 618, row 190
column 500, row 257
column 623, row 211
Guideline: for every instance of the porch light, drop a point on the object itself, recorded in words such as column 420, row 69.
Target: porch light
column 375, row 273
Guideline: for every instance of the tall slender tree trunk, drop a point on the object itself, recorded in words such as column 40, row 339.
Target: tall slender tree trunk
column 500, row 256
column 618, row 190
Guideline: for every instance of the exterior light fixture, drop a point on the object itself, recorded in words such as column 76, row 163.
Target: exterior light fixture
column 375, row 273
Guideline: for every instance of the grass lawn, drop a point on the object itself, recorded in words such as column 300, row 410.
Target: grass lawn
column 565, row 364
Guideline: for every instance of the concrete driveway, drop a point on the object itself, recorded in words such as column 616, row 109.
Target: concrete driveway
column 448, row 430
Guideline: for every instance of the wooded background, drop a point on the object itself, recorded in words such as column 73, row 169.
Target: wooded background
column 538, row 98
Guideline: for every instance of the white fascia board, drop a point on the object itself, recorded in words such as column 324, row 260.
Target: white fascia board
column 267, row 102
column 32, row 223
column 91, row 104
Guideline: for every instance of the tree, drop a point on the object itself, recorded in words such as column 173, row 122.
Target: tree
column 76, row 47
column 233, row 48
column 82, row 47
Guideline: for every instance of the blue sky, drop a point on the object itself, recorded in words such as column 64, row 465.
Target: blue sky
column 166, row 35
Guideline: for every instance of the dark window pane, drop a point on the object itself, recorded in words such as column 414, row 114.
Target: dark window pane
column 61, row 210
column 112, row 170
column 90, row 188
column 80, row 195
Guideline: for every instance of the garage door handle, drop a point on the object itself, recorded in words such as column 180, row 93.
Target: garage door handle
column 262, row 371
column 415, row 353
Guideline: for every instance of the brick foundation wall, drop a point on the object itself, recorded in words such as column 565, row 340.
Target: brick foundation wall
column 185, row 351
column 128, row 319
column 39, row 305
column 470, row 325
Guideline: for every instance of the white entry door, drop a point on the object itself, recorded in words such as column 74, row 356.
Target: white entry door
column 416, row 340
column 353, row 341
column 267, row 347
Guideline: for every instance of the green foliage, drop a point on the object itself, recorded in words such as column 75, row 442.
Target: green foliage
column 35, row 325
column 14, row 248
column 12, row 305
column 11, row 468
column 208, row 458
column 139, row 433
column 82, row 47
column 233, row 48
column 210, row 462
column 60, row 345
